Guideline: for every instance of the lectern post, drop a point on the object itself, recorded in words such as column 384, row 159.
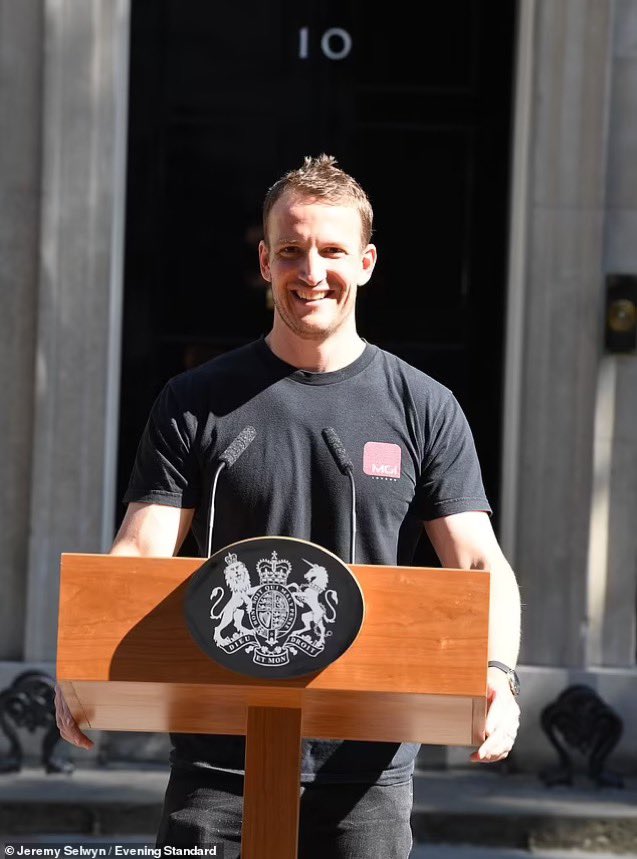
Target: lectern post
column 273, row 771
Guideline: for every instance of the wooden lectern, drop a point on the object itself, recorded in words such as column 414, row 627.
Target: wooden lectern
column 416, row 673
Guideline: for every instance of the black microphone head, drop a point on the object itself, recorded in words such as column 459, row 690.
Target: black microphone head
column 337, row 450
column 232, row 453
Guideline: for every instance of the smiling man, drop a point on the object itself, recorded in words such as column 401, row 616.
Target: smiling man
column 415, row 466
column 315, row 254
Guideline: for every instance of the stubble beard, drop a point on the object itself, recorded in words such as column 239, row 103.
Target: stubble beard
column 307, row 332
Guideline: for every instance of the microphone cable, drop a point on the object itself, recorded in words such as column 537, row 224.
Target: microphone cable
column 227, row 459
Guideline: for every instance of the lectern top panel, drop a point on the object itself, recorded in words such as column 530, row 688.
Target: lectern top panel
column 122, row 619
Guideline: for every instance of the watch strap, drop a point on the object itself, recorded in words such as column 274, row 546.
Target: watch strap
column 493, row 663
column 514, row 682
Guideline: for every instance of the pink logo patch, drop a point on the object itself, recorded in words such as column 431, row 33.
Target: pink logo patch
column 381, row 459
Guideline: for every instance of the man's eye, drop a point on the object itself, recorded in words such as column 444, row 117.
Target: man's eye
column 288, row 251
column 334, row 251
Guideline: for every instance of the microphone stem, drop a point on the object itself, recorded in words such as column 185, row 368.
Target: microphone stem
column 211, row 516
column 352, row 550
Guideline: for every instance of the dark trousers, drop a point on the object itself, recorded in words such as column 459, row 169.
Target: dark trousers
column 337, row 821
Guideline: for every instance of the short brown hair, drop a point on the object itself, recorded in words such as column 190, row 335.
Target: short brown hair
column 320, row 177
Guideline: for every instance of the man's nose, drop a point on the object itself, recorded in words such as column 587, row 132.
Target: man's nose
column 313, row 270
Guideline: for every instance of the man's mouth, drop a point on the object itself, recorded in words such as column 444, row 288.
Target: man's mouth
column 308, row 296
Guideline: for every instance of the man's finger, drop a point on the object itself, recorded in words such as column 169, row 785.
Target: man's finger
column 70, row 732
column 67, row 725
column 490, row 759
column 77, row 738
column 495, row 748
column 499, row 741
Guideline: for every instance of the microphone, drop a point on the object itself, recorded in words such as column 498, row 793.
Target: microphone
column 337, row 450
column 346, row 466
column 234, row 450
column 227, row 459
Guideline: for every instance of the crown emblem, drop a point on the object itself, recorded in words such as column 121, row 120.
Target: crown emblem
column 274, row 571
column 230, row 559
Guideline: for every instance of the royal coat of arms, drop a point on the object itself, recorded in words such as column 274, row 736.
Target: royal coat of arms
column 274, row 619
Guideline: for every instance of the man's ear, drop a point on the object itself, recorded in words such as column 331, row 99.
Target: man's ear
column 264, row 261
column 368, row 263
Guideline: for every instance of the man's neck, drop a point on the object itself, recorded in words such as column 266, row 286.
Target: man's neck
column 316, row 356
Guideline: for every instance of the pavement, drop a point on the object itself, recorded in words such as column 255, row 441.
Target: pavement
column 475, row 814
column 518, row 811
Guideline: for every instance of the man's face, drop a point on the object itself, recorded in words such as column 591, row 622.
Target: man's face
column 314, row 261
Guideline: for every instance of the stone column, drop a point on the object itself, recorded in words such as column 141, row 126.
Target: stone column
column 79, row 306
column 561, row 328
column 620, row 603
column 20, row 107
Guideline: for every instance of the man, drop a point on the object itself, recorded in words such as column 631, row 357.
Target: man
column 314, row 371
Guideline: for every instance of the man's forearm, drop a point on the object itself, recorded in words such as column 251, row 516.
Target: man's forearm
column 504, row 614
column 152, row 530
column 125, row 547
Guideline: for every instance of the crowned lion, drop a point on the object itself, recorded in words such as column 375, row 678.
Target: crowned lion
column 238, row 580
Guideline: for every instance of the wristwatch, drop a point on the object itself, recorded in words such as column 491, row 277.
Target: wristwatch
column 514, row 680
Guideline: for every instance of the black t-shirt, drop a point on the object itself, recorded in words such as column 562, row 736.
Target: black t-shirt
column 414, row 459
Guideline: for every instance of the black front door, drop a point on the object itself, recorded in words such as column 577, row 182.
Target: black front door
column 224, row 97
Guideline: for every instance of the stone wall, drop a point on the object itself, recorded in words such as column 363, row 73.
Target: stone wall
column 20, row 168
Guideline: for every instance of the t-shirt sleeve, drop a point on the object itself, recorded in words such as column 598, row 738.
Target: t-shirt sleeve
column 451, row 480
column 166, row 469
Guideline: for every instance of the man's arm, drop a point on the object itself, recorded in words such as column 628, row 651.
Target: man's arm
column 153, row 530
column 467, row 541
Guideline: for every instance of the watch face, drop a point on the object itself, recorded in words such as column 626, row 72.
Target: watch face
column 514, row 682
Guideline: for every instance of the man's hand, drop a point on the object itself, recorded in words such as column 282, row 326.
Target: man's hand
column 69, row 730
column 503, row 719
